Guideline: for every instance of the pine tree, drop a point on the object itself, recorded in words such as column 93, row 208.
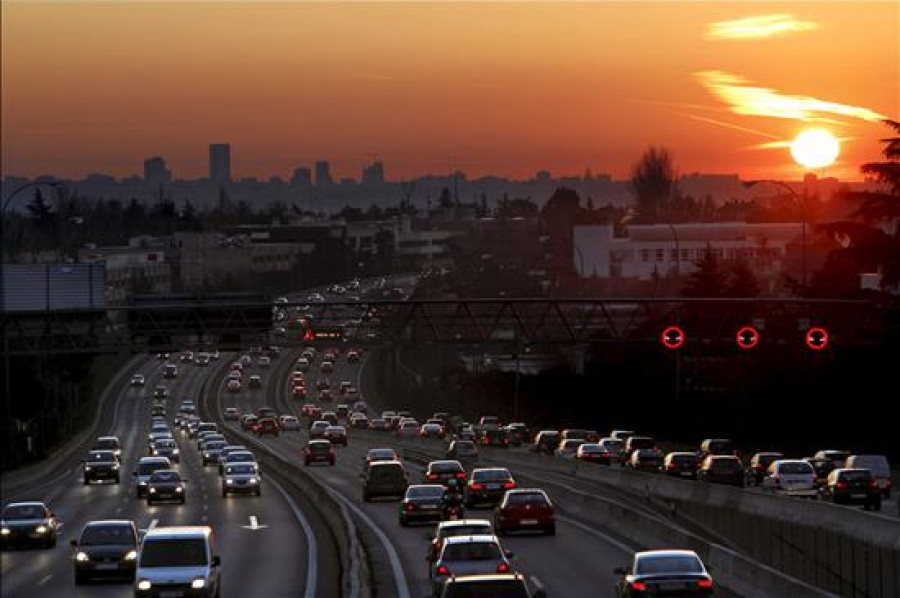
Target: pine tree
column 709, row 280
column 742, row 280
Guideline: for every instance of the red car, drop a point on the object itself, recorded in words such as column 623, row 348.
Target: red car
column 307, row 409
column 318, row 451
column 248, row 421
column 266, row 425
column 299, row 393
column 525, row 508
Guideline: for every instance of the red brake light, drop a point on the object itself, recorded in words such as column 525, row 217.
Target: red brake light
column 873, row 483
column 432, row 476
column 508, row 485
column 842, row 485
column 502, row 568
column 410, row 507
column 705, row 583
column 443, row 570
column 461, row 474
column 639, row 586
column 477, row 486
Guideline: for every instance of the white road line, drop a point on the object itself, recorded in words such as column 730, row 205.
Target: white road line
column 45, row 580
column 594, row 532
column 312, row 559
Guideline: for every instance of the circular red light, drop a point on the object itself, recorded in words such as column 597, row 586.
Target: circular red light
column 747, row 337
column 672, row 337
column 817, row 338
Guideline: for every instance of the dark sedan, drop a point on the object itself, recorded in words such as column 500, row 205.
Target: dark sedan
column 488, row 485
column 852, row 487
column 165, row 484
column 441, row 472
column 422, row 503
column 101, row 465
column 106, row 549
column 664, row 573
column 722, row 469
column 28, row 523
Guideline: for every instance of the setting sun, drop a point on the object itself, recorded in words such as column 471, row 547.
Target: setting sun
column 815, row 148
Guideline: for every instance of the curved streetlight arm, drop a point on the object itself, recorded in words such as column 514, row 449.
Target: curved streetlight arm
column 55, row 185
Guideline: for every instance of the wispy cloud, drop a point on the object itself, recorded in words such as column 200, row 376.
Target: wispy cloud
column 758, row 27
column 744, row 98
column 729, row 125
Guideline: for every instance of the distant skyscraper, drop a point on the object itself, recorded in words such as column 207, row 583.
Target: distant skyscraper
column 373, row 174
column 302, row 176
column 323, row 173
column 220, row 162
column 155, row 172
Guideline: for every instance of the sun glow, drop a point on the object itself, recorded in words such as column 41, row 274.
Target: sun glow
column 815, row 148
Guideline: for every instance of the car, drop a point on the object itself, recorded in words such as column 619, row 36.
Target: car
column 205, row 427
column 650, row 460
column 487, row 485
column 567, row 449
column 165, row 484
column 664, row 573
column 105, row 549
column 28, row 524
column 170, row 371
column 441, row 472
column 234, row 375
column 681, row 464
column 721, row 469
column 241, row 478
column 616, row 448
column 233, row 386
column 791, row 477
column 345, row 386
column 318, row 451
column 878, row 465
column 375, row 455
column 231, row 414
column 162, row 356
column 160, row 392
column 336, row 435
column 352, row 356
column 266, row 412
column 212, row 452
column 331, row 417
column 359, row 421
column 146, row 466
column 187, row 357
column 468, row 555
column 303, row 363
column 637, row 442
column 156, row 435
column 166, row 447
column 158, row 409
column 342, row 410
column 138, row 380
column 317, row 429
column 462, row 451
column 325, row 395
column 408, row 429
column 591, row 452
column 546, row 441
column 622, row 435
column 421, row 503
column 327, row 367
column 517, row 433
column 525, row 508
column 108, row 443
column 384, row 479
column 264, row 361
column 322, row 384
column 452, row 529
column 298, row 393
column 215, row 355
column 254, row 381
column 202, row 360
column 174, row 558
column 230, row 457
column 248, row 421
column 379, row 425
column 494, row 437
column 432, row 431
column 852, row 487
column 716, row 446
column 499, row 585
column 289, row 423
column 266, row 425
column 246, row 361
column 759, row 464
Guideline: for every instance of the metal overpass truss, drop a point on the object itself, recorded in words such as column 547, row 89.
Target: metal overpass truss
column 462, row 321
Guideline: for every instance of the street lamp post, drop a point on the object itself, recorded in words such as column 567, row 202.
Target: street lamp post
column 803, row 204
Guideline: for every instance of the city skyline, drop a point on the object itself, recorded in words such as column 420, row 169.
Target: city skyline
column 482, row 88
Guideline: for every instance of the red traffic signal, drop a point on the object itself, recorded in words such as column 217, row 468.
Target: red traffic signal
column 672, row 337
column 747, row 337
column 816, row 338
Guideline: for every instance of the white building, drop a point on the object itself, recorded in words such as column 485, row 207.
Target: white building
column 654, row 249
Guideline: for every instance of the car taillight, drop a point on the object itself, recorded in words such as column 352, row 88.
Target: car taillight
column 704, row 583
column 410, row 507
column 502, row 568
column 639, row 586
column 842, row 485
column 443, row 570
column 476, row 486
column 873, row 483
column 508, row 485
column 887, row 483
column 461, row 475
column 431, row 476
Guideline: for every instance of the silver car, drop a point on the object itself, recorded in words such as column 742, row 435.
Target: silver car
column 212, row 451
column 468, row 555
column 166, row 447
column 177, row 561
column 241, row 478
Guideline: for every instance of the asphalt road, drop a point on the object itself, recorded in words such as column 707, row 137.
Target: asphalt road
column 267, row 562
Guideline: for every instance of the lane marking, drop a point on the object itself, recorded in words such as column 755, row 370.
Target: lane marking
column 254, row 524
column 595, row 532
column 45, row 580
column 312, row 559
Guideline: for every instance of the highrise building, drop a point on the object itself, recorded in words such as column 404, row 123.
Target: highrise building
column 373, row 174
column 323, row 173
column 302, row 176
column 220, row 162
column 155, row 172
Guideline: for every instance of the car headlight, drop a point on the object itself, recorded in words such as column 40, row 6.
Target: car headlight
column 175, row 452
column 41, row 529
column 254, row 480
column 4, row 531
column 115, row 466
column 87, row 467
column 144, row 584
column 198, row 583
column 81, row 556
column 142, row 483
column 152, row 490
column 206, row 455
column 131, row 555
column 229, row 482
column 179, row 489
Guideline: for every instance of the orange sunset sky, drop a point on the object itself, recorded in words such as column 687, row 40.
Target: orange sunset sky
column 503, row 88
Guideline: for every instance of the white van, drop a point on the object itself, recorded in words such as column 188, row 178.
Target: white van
column 878, row 465
column 177, row 560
